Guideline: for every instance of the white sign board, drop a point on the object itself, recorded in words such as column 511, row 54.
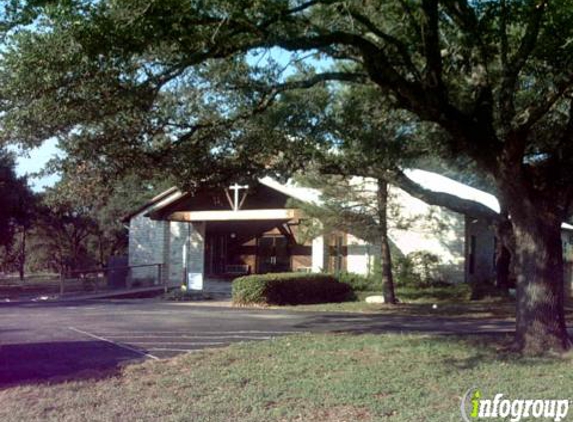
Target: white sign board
column 195, row 281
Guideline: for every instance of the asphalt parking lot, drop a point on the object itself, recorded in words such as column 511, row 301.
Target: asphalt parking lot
column 58, row 341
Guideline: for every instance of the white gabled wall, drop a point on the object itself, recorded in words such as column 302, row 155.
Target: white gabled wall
column 419, row 227
column 415, row 226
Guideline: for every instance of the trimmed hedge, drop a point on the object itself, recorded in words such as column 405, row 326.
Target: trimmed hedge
column 289, row 289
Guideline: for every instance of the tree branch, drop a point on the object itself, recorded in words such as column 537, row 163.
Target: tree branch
column 401, row 48
column 465, row 17
column 536, row 111
column 355, row 77
column 451, row 202
column 271, row 92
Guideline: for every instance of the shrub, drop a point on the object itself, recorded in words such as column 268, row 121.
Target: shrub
column 361, row 283
column 418, row 269
column 289, row 289
column 180, row 295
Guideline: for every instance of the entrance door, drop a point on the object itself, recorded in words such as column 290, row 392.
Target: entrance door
column 216, row 254
column 273, row 254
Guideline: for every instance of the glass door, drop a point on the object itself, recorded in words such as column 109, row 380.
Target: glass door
column 273, row 254
column 216, row 254
column 282, row 256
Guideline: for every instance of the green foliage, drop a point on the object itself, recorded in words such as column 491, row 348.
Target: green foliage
column 179, row 295
column 79, row 222
column 460, row 292
column 289, row 289
column 415, row 271
column 17, row 211
column 359, row 282
column 418, row 269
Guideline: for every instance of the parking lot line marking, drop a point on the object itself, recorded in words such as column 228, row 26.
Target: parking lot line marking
column 123, row 346
column 192, row 346
column 135, row 338
column 215, row 333
column 199, row 343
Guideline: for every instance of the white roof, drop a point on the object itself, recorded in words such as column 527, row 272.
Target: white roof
column 438, row 183
column 427, row 179
column 291, row 189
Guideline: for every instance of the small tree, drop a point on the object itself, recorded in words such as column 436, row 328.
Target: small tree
column 355, row 206
column 16, row 214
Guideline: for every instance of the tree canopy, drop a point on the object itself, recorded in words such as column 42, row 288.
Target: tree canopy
column 17, row 208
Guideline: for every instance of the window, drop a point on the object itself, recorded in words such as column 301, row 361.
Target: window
column 339, row 254
column 336, row 253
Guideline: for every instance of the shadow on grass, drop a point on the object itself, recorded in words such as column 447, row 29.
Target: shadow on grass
column 402, row 323
column 135, row 300
column 484, row 349
column 35, row 363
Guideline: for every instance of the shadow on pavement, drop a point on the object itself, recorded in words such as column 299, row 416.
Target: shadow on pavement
column 33, row 363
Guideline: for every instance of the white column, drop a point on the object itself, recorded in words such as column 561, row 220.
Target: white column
column 195, row 271
column 318, row 254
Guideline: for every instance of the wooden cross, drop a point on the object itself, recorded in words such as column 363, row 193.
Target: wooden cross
column 236, row 188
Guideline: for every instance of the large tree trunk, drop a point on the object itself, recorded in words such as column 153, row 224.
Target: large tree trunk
column 502, row 267
column 504, row 246
column 540, row 324
column 536, row 217
column 385, row 255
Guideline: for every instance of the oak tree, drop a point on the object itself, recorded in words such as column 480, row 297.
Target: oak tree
column 135, row 80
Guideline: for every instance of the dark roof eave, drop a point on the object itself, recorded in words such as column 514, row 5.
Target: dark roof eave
column 149, row 203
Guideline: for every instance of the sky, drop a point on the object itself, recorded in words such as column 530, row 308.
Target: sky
column 34, row 161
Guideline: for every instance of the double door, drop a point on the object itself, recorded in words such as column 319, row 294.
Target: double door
column 273, row 254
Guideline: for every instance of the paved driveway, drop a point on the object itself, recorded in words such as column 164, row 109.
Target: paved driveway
column 46, row 341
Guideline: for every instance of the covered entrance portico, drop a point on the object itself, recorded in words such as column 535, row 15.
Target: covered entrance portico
column 247, row 247
column 216, row 234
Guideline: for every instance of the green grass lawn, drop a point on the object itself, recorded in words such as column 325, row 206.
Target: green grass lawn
column 451, row 301
column 322, row 378
column 479, row 309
